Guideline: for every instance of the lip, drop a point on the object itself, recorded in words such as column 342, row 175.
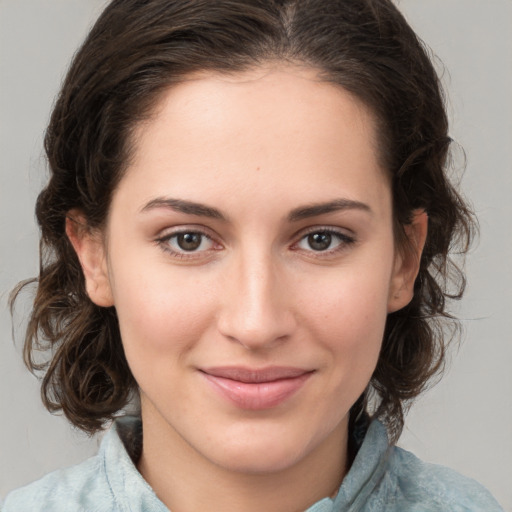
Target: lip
column 256, row 388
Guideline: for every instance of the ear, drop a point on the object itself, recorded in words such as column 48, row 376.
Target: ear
column 407, row 262
column 90, row 248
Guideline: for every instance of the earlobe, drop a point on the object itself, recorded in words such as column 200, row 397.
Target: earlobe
column 407, row 263
column 90, row 249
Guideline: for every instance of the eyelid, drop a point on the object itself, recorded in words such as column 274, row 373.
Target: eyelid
column 166, row 234
column 346, row 239
column 326, row 228
column 344, row 233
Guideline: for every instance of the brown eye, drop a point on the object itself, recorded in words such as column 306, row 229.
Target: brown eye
column 325, row 241
column 319, row 241
column 189, row 241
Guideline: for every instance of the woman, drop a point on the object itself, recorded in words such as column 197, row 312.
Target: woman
column 247, row 229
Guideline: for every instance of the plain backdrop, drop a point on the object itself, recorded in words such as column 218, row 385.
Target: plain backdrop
column 464, row 422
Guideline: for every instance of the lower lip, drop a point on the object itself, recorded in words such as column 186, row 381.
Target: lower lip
column 258, row 395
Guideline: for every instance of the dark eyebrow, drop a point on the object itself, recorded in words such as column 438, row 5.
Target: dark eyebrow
column 313, row 210
column 180, row 205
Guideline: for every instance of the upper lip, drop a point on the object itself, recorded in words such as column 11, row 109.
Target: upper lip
column 255, row 375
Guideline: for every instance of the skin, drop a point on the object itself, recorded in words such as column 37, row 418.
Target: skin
column 257, row 147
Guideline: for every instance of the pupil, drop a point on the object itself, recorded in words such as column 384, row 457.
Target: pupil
column 189, row 241
column 319, row 241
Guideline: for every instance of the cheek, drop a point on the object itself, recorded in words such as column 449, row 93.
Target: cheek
column 348, row 317
column 159, row 313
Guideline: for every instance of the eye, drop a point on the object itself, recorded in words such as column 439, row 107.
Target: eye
column 186, row 243
column 324, row 240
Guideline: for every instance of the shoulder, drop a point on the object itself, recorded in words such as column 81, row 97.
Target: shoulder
column 108, row 482
column 423, row 486
column 83, row 487
column 385, row 477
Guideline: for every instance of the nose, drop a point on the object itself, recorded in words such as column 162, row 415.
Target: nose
column 257, row 307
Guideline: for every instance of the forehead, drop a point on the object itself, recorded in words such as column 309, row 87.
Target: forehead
column 291, row 96
column 259, row 130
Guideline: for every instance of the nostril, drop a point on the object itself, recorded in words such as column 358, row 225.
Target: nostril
column 257, row 331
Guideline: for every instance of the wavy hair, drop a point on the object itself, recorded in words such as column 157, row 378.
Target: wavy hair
column 139, row 48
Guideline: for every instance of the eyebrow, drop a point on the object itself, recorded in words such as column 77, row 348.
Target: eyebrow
column 297, row 214
column 322, row 208
column 188, row 207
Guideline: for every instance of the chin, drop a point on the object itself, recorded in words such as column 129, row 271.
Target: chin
column 257, row 460
column 262, row 451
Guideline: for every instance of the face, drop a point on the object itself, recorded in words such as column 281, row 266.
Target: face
column 249, row 253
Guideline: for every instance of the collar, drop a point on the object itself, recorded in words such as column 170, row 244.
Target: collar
column 122, row 446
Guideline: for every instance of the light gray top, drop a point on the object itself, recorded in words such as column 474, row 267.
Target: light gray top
column 382, row 478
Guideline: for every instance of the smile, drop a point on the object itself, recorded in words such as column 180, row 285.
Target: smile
column 256, row 389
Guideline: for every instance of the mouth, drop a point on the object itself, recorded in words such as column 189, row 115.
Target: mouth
column 256, row 389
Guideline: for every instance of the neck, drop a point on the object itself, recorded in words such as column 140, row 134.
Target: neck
column 186, row 481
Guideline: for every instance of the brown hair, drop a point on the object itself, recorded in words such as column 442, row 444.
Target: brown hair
column 137, row 49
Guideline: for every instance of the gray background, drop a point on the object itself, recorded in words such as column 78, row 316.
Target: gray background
column 464, row 422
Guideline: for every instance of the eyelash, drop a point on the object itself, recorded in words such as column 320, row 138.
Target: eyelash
column 164, row 243
column 344, row 242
